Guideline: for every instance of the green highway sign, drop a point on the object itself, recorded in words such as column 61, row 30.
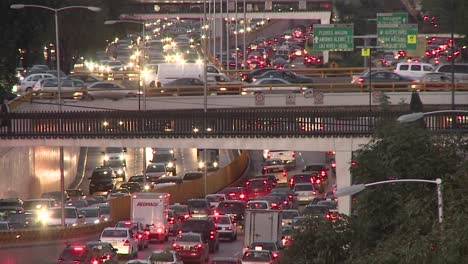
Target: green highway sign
column 397, row 36
column 391, row 18
column 333, row 37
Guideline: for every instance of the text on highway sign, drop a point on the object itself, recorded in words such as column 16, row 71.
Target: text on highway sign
column 397, row 36
column 333, row 37
column 392, row 18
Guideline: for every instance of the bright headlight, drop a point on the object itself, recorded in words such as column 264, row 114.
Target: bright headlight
column 43, row 216
column 201, row 164
column 170, row 165
column 215, row 164
column 147, row 187
column 105, row 123
column 106, row 158
column 120, row 171
column 96, row 221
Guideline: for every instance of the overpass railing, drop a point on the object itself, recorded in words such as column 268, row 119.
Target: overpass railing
column 217, row 123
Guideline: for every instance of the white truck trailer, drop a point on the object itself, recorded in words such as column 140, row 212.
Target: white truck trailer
column 262, row 226
column 151, row 209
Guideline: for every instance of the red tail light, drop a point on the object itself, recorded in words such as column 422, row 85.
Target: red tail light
column 285, row 202
column 212, row 234
column 186, row 216
column 175, row 245
column 147, row 232
column 333, row 164
column 242, row 196
column 94, row 261
column 199, row 246
column 323, row 173
column 274, row 205
column 180, row 232
column 229, row 228
column 126, row 243
column 60, row 260
column 290, row 196
column 140, row 236
column 291, row 183
column 284, row 174
column 314, row 192
column 275, row 255
column 360, row 80
column 294, row 154
column 159, row 230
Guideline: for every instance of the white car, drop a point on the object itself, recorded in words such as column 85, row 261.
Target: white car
column 156, row 170
column 122, row 239
column 110, row 90
column 29, row 81
column 273, row 85
column 215, row 199
column 305, row 192
column 72, row 217
column 279, row 171
column 93, row 215
column 226, row 227
column 164, row 256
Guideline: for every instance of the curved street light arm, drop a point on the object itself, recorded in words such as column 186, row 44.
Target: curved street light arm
column 91, row 8
column 437, row 181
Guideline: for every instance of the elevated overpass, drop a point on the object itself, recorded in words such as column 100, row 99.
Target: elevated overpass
column 302, row 129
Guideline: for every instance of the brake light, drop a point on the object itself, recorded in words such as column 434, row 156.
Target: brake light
column 264, row 168
column 291, row 183
column 175, row 245
column 159, row 230
column 78, row 249
column 242, row 196
column 229, row 228
column 94, row 261
column 275, row 255
column 314, row 192
column 333, row 164
column 186, row 216
column 264, row 182
column 199, row 246
column 212, row 234
column 247, row 183
column 285, row 202
column 290, row 196
column 60, row 260
column 126, row 243
column 180, row 232
column 284, row 174
column 274, row 205
column 360, row 80
column 140, row 236
column 317, row 181
column 323, row 173
column 294, row 154
column 216, row 213
column 147, row 232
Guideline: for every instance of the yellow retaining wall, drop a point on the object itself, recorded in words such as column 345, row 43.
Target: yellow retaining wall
column 120, row 206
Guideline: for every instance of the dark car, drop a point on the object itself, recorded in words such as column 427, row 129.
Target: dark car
column 272, row 180
column 181, row 211
column 257, row 187
column 102, row 179
column 247, row 77
column 101, row 252
column 321, row 169
column 306, row 177
column 384, row 77
column 11, row 202
column 235, row 209
column 316, row 210
column 187, row 83
column 204, row 226
column 199, row 207
column 15, row 216
column 132, row 187
column 286, row 75
column 235, row 193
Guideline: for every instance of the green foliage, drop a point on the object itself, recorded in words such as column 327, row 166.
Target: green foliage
column 321, row 242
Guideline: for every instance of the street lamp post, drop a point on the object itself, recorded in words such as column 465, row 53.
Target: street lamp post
column 141, row 22
column 59, row 84
column 205, row 96
column 356, row 188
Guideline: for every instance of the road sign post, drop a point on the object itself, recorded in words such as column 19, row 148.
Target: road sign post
column 333, row 37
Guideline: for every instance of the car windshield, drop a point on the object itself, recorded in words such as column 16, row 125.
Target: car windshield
column 303, row 187
column 227, row 208
column 101, row 174
column 214, row 198
column 281, row 190
column 256, row 256
column 258, row 205
column 179, row 209
column 273, row 162
column 315, row 210
column 188, row 238
column 115, row 163
column 302, row 178
column 164, row 256
column 156, row 168
column 257, row 184
column 57, row 212
column 289, row 214
column 163, row 157
column 90, row 212
column 114, row 233
column 138, row 179
column 274, row 170
column 73, row 253
column 193, row 225
column 313, row 167
column 35, row 205
column 197, row 203
column 223, row 220
column 263, row 246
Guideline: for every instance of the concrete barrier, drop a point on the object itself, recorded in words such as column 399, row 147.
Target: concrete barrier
column 180, row 193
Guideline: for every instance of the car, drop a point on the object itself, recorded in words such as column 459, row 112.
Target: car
column 181, row 211
column 271, row 178
column 247, row 77
column 199, row 207
column 115, row 154
column 256, row 187
column 235, row 193
column 71, row 87
column 77, row 203
column 166, row 256
column 91, row 252
column 258, row 204
column 288, row 216
column 204, row 226
column 75, row 194
column 167, row 157
column 102, row 179
column 173, row 222
column 118, row 192
column 233, row 208
column 273, row 247
column 287, row 156
column 5, row 226
column 105, row 211
column 15, row 216
column 258, row 257
column 280, row 172
column 92, row 215
column 288, row 192
column 188, row 86
column 191, row 175
column 272, row 85
column 215, row 199
column 122, row 239
column 283, row 199
column 56, row 195
column 191, row 247
column 316, row 210
column 377, row 77
column 37, row 210
column 413, row 70
column 29, row 81
column 109, row 90
column 298, row 223
column 139, row 232
column 155, row 171
column 273, row 161
column 132, row 187
column 227, row 227
column 313, row 60
column 86, row 78
column 319, row 168
column 305, row 177
column 287, row 238
column 225, row 260
column 285, row 75
column 169, row 179
column 17, row 202
column 72, row 217
column 305, row 192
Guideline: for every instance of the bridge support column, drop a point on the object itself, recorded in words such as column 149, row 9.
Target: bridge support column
column 343, row 178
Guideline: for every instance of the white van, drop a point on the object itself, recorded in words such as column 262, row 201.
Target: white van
column 460, row 71
column 414, row 70
column 167, row 72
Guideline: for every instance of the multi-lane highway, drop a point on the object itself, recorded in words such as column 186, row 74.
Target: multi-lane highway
column 47, row 253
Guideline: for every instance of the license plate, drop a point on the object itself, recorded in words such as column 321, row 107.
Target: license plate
column 114, row 243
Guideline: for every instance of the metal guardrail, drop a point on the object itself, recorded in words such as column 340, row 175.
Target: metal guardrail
column 222, row 123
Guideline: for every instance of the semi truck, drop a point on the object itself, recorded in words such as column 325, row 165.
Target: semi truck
column 151, row 209
column 262, row 226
